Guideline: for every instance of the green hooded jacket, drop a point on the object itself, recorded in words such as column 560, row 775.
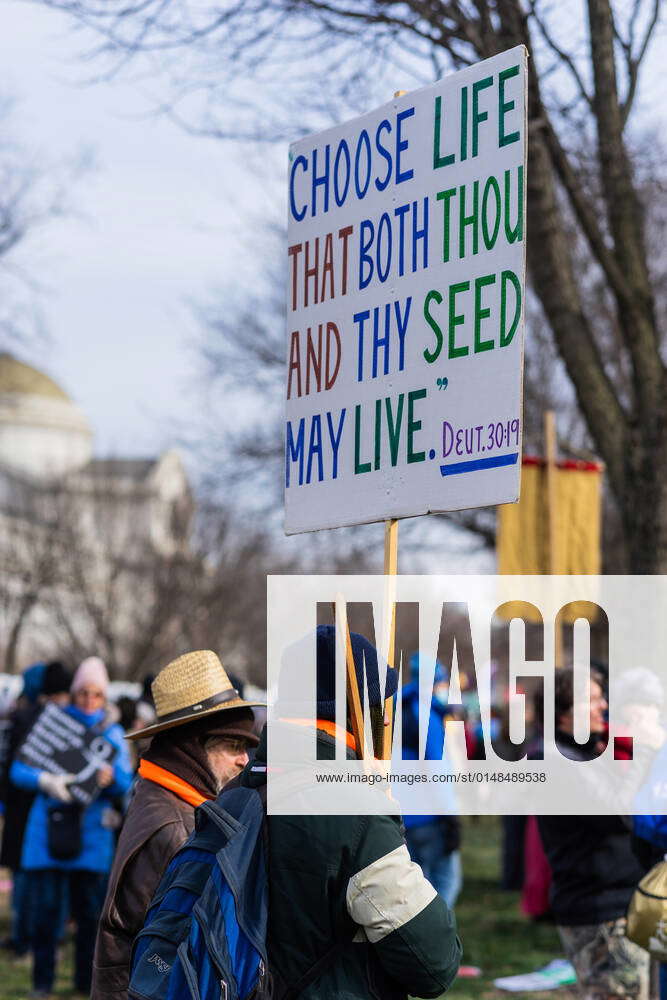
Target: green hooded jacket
column 349, row 880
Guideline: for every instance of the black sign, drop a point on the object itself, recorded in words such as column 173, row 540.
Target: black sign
column 60, row 744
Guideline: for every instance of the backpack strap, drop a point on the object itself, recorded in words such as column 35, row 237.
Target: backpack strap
column 261, row 789
column 329, row 957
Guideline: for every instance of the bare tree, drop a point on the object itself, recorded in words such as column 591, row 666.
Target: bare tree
column 140, row 601
column 33, row 193
column 31, row 562
column 584, row 78
column 83, row 572
column 118, row 593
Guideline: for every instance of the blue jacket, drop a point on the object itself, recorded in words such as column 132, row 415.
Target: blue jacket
column 98, row 842
column 652, row 798
column 434, row 749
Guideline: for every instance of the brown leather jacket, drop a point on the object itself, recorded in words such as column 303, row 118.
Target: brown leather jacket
column 156, row 825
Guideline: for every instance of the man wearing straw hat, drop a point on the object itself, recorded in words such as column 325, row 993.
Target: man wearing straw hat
column 199, row 742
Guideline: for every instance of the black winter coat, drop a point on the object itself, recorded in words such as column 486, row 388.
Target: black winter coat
column 17, row 801
column 594, row 868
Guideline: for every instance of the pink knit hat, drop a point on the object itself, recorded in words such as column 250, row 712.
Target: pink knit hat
column 91, row 673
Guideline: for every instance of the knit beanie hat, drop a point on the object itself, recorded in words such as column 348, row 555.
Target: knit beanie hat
column 57, row 678
column 91, row 673
column 32, row 682
column 365, row 664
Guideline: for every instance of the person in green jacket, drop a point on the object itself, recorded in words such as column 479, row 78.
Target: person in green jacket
column 351, row 917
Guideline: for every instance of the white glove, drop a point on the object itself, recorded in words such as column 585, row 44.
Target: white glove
column 55, row 785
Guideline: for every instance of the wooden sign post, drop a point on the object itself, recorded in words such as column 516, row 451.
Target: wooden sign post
column 351, row 685
column 390, row 571
column 551, row 471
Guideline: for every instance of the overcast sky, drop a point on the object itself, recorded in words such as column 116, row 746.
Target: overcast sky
column 161, row 224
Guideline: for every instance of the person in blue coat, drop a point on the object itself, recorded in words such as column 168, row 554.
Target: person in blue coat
column 433, row 841
column 89, row 837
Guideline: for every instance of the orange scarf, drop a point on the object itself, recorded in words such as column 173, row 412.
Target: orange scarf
column 330, row 728
column 160, row 776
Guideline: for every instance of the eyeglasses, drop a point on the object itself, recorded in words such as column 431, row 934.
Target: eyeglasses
column 231, row 745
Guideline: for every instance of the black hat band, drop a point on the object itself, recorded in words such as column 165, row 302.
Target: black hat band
column 199, row 706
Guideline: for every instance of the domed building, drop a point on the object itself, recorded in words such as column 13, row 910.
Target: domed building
column 42, row 432
column 74, row 528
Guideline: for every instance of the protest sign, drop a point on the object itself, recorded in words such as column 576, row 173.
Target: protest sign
column 405, row 301
column 59, row 744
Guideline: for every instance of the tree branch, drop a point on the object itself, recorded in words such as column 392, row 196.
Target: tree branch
column 634, row 62
column 585, row 212
column 637, row 315
column 562, row 56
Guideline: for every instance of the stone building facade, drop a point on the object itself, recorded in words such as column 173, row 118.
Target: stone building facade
column 81, row 538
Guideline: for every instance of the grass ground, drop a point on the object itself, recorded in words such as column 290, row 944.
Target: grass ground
column 15, row 979
column 496, row 937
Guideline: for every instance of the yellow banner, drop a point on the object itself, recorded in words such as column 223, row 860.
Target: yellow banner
column 522, row 536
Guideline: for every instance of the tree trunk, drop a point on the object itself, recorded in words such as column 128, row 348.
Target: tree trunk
column 15, row 633
column 644, row 502
column 633, row 441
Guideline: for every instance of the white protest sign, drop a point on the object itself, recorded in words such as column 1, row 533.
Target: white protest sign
column 405, row 300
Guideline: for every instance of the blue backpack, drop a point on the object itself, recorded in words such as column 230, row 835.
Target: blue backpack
column 204, row 937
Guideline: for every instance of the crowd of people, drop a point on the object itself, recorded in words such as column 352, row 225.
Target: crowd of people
column 59, row 853
column 65, row 858
column 375, row 894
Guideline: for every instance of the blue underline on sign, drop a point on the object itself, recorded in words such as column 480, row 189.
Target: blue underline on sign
column 480, row 463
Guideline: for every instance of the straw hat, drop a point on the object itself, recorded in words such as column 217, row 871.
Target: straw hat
column 191, row 687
